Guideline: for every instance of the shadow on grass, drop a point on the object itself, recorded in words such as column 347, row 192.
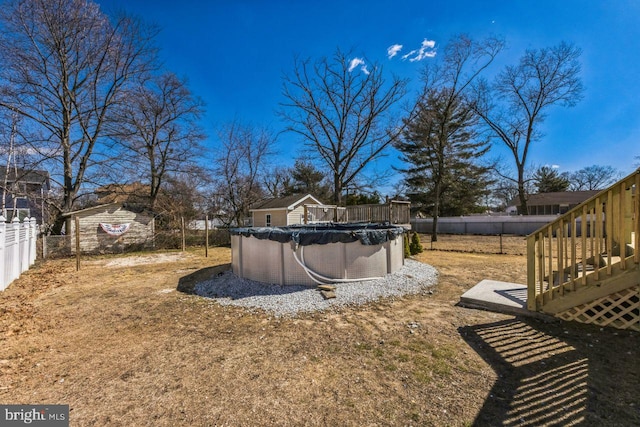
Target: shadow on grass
column 557, row 373
column 187, row 283
column 220, row 282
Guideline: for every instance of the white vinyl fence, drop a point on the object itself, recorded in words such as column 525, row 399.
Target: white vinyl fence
column 484, row 224
column 17, row 248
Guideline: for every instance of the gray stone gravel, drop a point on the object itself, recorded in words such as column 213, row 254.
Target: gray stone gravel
column 228, row 289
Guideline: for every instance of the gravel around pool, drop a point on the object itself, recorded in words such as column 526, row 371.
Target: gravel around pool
column 228, row 289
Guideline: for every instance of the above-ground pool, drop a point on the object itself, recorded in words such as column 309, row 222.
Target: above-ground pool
column 316, row 254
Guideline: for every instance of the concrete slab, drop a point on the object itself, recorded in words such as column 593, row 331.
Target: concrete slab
column 503, row 297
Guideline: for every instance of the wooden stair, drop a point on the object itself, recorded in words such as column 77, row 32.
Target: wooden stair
column 571, row 295
column 585, row 265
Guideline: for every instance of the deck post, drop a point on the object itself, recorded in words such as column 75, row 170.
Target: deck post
column 531, row 274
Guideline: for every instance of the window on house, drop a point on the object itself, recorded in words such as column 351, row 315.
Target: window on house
column 268, row 220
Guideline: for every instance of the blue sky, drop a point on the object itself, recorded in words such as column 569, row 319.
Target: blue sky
column 234, row 54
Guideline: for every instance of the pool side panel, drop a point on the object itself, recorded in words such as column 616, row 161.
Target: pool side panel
column 366, row 261
column 273, row 262
column 236, row 255
column 261, row 260
column 327, row 260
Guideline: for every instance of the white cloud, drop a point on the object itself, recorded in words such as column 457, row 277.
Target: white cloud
column 358, row 62
column 355, row 62
column 393, row 50
column 428, row 43
column 427, row 50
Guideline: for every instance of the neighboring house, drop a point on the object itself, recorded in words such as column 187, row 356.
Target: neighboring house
column 282, row 211
column 112, row 228
column 552, row 203
column 23, row 191
column 199, row 224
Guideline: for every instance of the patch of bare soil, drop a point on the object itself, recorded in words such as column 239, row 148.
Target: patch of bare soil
column 131, row 261
column 122, row 349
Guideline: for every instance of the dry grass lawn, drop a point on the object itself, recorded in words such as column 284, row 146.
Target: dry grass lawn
column 119, row 344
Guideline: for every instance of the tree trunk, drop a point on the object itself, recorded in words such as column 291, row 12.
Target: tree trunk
column 337, row 189
column 436, row 212
column 522, row 195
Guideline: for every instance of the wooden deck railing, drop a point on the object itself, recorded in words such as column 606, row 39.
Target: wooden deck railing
column 395, row 212
column 583, row 246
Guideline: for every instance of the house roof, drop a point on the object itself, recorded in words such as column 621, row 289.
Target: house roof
column 30, row 176
column 560, row 198
column 131, row 208
column 288, row 202
column 122, row 193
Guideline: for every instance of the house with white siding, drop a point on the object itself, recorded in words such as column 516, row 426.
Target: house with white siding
column 282, row 211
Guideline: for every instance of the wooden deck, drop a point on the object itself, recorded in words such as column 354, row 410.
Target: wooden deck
column 585, row 265
column 395, row 212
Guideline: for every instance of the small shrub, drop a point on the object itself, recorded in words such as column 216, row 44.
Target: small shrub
column 407, row 250
column 415, row 247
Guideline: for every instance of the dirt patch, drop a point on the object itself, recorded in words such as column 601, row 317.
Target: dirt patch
column 130, row 261
column 122, row 350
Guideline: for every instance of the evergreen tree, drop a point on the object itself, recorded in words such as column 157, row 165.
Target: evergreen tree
column 307, row 179
column 440, row 143
column 407, row 249
column 415, row 247
column 442, row 148
column 548, row 180
column 363, row 199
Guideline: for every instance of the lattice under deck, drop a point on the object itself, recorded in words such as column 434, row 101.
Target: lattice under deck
column 620, row 310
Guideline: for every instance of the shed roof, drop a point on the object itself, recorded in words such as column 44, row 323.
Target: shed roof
column 132, row 208
column 288, row 202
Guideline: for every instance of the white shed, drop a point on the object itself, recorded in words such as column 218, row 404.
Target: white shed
column 282, row 211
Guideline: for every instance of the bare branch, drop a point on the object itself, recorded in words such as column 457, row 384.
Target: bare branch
column 342, row 114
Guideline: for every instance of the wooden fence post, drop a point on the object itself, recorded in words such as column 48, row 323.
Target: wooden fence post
column 206, row 236
column 44, row 246
column 184, row 243
column 77, row 230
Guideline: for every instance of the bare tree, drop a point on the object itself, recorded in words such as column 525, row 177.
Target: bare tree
column 63, row 66
column 441, row 143
column 240, row 163
column 343, row 113
column 277, row 181
column 181, row 197
column 516, row 104
column 504, row 191
column 593, row 178
column 158, row 128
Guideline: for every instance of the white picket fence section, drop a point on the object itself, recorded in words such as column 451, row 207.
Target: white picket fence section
column 17, row 248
